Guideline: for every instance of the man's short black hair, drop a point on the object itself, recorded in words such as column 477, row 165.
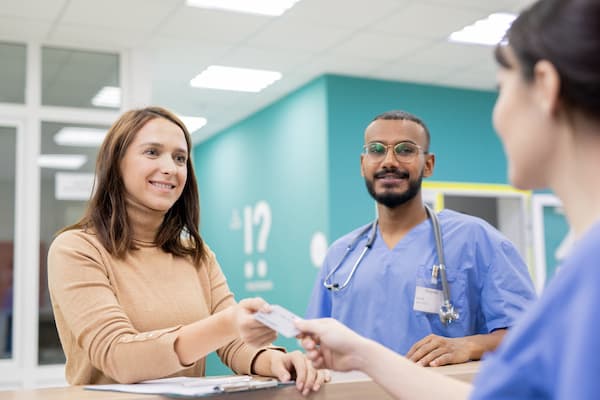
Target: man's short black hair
column 403, row 115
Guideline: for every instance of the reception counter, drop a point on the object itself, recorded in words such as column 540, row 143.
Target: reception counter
column 351, row 385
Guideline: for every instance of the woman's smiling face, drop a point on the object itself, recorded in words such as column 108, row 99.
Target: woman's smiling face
column 154, row 168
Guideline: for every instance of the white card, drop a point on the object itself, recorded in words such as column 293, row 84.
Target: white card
column 280, row 320
column 428, row 300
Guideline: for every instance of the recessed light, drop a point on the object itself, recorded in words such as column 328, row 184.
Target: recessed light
column 192, row 123
column 487, row 31
column 272, row 8
column 61, row 161
column 108, row 96
column 80, row 136
column 232, row 78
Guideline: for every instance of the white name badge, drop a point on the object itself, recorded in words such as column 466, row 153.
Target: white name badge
column 428, row 300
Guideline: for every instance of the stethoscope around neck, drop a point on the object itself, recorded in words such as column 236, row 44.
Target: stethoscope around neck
column 447, row 312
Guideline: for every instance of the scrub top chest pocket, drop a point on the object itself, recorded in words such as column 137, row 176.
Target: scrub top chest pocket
column 429, row 298
column 428, row 291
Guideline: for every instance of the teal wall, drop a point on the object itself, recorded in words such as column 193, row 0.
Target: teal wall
column 301, row 156
column 459, row 120
column 556, row 228
column 277, row 156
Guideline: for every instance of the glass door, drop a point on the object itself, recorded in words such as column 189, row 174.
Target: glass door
column 8, row 147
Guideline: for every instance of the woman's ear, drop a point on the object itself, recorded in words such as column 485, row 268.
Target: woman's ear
column 547, row 86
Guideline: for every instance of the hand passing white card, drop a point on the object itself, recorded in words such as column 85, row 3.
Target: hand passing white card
column 280, row 320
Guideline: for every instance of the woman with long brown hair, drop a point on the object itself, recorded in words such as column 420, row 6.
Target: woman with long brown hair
column 136, row 292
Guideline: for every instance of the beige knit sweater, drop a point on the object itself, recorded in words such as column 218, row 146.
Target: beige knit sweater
column 118, row 318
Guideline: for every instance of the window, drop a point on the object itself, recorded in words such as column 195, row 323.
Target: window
column 67, row 161
column 76, row 78
column 12, row 73
column 8, row 138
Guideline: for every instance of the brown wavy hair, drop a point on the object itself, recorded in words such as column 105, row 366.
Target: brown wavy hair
column 106, row 213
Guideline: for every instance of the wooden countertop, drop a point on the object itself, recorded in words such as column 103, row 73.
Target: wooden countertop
column 347, row 385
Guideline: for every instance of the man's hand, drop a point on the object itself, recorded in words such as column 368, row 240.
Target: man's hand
column 434, row 350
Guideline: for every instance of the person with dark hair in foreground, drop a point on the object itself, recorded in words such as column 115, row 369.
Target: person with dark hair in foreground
column 548, row 117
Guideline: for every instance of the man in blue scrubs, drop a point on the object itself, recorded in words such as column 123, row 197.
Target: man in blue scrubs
column 395, row 293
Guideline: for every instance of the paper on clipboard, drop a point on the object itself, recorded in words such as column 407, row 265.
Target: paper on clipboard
column 191, row 387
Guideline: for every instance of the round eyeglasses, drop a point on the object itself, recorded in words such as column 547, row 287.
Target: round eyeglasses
column 403, row 151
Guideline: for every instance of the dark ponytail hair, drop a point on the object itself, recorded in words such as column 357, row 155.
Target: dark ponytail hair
column 567, row 34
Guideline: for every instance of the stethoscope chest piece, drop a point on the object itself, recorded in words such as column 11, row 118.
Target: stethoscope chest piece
column 448, row 314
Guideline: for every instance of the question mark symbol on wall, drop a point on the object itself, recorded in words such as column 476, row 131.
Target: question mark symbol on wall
column 262, row 213
column 259, row 215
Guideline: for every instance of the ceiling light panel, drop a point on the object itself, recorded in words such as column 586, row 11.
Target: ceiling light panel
column 489, row 31
column 108, row 96
column 62, row 161
column 79, row 136
column 236, row 79
column 192, row 123
column 273, row 8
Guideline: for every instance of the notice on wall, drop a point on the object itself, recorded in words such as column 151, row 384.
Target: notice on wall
column 73, row 185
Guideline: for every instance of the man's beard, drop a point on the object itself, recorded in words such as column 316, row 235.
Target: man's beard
column 393, row 200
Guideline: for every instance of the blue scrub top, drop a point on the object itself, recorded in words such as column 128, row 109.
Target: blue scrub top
column 553, row 352
column 489, row 282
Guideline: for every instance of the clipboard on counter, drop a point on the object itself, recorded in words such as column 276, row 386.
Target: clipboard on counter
column 187, row 387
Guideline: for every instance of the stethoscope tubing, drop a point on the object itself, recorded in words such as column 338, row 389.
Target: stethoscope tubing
column 447, row 312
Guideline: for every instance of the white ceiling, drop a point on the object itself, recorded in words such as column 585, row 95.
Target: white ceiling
column 388, row 39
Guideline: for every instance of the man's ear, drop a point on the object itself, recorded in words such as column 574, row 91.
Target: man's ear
column 362, row 161
column 429, row 165
column 547, row 86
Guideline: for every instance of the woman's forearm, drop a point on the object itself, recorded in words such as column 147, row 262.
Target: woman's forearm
column 200, row 338
column 403, row 379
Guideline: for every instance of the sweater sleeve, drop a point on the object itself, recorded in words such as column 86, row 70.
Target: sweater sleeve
column 85, row 304
column 236, row 355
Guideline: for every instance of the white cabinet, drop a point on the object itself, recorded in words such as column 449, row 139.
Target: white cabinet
column 535, row 223
column 502, row 206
